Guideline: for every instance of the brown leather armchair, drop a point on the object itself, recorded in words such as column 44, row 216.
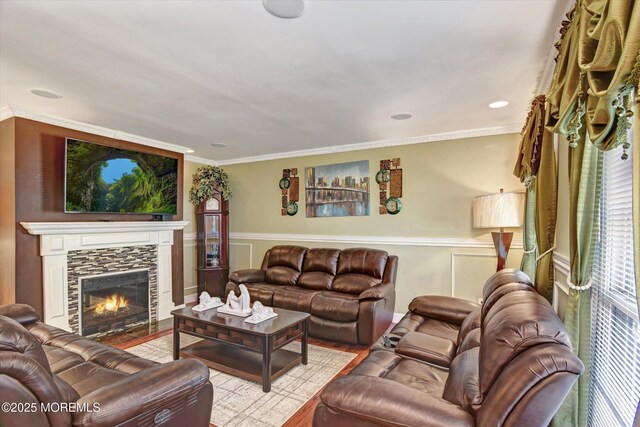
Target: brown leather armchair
column 42, row 365
column 349, row 293
column 519, row 374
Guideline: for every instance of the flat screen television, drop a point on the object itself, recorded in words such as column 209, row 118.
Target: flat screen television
column 103, row 179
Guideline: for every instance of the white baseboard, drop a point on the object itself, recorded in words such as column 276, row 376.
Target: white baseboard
column 188, row 299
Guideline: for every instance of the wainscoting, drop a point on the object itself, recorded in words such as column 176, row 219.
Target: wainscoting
column 560, row 287
column 441, row 266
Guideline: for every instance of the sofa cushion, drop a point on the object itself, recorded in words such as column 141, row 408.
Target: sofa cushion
column 286, row 256
column 471, row 340
column 354, row 283
column 293, row 298
column 463, row 386
column 412, row 373
column 282, row 276
column 87, row 377
column 428, row 348
column 61, row 359
column 321, row 259
column 89, row 350
column 16, row 338
column 471, row 322
column 416, row 322
column 335, row 306
column 262, row 292
column 369, row 262
column 317, row 280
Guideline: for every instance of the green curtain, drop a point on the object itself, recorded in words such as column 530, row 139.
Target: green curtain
column 528, row 264
column 536, row 167
column 585, row 167
column 636, row 210
column 546, row 216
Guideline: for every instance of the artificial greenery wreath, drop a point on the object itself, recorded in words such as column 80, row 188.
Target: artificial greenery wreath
column 206, row 180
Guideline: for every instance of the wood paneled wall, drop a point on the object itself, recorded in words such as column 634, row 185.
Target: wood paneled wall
column 39, row 196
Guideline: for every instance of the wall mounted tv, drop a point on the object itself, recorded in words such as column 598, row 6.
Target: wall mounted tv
column 103, row 179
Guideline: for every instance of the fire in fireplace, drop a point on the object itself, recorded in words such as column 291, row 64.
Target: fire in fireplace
column 114, row 302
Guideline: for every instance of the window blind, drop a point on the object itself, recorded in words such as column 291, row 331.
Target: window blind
column 614, row 387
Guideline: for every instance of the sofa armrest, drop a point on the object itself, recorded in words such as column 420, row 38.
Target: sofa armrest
column 380, row 291
column 384, row 402
column 21, row 313
column 250, row 275
column 448, row 309
column 161, row 393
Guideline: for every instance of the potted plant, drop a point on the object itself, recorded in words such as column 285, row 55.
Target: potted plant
column 206, row 180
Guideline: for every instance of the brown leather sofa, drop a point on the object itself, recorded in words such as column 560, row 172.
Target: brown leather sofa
column 349, row 293
column 518, row 374
column 85, row 383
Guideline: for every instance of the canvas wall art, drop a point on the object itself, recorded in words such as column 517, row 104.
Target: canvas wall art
column 340, row 189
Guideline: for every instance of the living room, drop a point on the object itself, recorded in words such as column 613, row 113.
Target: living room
column 299, row 212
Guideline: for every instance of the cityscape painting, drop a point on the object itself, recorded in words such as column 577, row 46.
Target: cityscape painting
column 341, row 189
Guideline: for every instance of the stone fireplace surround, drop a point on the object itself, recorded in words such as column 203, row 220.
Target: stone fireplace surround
column 128, row 245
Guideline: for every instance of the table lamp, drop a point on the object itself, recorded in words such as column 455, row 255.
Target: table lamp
column 500, row 210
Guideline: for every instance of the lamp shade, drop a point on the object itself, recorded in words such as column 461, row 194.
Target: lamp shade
column 499, row 210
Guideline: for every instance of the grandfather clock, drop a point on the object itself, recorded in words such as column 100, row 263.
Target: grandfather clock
column 212, row 221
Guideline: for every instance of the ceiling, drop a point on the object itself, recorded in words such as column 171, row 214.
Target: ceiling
column 194, row 73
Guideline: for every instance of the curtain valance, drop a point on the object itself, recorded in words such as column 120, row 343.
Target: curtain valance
column 597, row 66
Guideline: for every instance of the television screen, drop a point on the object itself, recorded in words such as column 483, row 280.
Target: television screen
column 106, row 179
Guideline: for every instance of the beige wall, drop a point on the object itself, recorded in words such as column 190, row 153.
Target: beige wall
column 8, row 217
column 440, row 180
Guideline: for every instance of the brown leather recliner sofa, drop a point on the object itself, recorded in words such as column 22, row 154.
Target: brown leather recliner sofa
column 349, row 293
column 517, row 373
column 85, row 383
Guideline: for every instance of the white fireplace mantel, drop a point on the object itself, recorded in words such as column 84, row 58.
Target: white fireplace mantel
column 58, row 238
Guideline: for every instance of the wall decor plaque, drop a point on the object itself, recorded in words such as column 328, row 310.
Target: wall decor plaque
column 389, row 179
column 290, row 187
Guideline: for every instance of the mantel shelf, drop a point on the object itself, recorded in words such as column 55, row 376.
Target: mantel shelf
column 59, row 228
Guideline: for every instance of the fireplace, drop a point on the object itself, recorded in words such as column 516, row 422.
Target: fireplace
column 114, row 302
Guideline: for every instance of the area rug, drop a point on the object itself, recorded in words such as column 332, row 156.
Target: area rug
column 238, row 402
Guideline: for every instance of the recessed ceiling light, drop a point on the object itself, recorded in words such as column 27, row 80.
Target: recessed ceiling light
column 285, row 9
column 190, row 151
column 499, row 104
column 45, row 93
column 401, row 116
column 218, row 145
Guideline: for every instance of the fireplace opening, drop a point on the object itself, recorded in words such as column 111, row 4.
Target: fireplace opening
column 114, row 302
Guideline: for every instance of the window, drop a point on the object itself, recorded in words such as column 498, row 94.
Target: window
column 615, row 330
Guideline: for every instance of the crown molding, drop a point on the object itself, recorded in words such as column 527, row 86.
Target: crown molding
column 196, row 159
column 444, row 136
column 9, row 111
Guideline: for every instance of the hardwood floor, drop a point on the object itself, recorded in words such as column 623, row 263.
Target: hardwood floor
column 303, row 417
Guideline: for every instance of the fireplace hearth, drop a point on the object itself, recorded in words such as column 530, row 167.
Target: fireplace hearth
column 114, row 302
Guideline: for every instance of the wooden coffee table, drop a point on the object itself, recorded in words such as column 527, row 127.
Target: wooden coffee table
column 252, row 352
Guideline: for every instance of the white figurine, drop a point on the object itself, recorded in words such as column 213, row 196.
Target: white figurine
column 239, row 306
column 207, row 302
column 261, row 313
